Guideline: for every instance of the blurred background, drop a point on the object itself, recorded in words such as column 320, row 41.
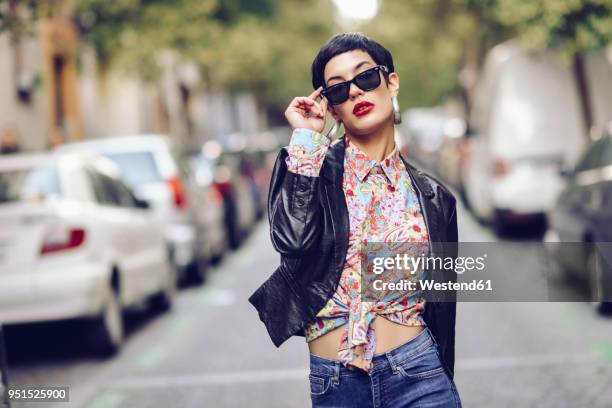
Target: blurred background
column 137, row 139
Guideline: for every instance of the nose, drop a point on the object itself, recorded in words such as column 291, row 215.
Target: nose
column 355, row 91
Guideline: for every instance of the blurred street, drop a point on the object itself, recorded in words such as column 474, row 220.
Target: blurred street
column 211, row 350
column 137, row 145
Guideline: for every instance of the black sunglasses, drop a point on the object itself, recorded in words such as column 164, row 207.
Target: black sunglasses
column 366, row 81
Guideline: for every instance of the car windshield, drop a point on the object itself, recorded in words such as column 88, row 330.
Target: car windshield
column 137, row 168
column 37, row 184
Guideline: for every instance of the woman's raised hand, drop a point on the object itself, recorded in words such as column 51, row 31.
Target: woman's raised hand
column 306, row 112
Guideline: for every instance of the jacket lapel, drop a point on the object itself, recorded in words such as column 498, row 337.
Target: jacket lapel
column 331, row 177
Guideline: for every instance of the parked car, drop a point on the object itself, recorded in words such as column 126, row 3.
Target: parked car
column 422, row 135
column 232, row 180
column 263, row 163
column 4, row 402
column 210, row 214
column 150, row 167
column 434, row 138
column 583, row 214
column 76, row 243
column 527, row 123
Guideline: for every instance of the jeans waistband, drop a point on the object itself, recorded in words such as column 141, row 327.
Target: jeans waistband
column 411, row 349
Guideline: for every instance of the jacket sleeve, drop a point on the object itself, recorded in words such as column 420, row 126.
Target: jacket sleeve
column 294, row 209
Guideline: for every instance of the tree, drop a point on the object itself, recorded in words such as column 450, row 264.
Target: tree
column 572, row 27
column 264, row 46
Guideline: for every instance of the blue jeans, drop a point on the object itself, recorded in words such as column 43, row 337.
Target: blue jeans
column 410, row 375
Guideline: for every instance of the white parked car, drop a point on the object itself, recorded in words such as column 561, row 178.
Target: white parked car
column 527, row 124
column 76, row 243
column 149, row 167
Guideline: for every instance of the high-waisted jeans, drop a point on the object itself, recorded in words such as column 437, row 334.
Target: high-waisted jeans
column 410, row 375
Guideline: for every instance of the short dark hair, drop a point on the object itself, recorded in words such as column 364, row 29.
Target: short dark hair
column 345, row 42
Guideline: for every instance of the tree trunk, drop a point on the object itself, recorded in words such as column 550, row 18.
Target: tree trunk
column 584, row 98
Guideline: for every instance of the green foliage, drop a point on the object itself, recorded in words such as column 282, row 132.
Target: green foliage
column 571, row 26
column 16, row 16
column 267, row 46
column 427, row 40
column 431, row 40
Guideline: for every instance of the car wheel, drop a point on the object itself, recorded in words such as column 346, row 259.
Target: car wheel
column 605, row 309
column 232, row 226
column 499, row 224
column 196, row 270
column 234, row 234
column 108, row 330
column 217, row 257
column 163, row 301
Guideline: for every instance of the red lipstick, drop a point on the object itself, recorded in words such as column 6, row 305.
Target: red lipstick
column 362, row 108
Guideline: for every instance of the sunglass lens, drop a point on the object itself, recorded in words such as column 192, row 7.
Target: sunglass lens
column 337, row 94
column 368, row 80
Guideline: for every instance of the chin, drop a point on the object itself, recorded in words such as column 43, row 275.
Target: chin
column 366, row 125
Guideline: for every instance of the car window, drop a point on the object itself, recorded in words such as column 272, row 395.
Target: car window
column 32, row 184
column 103, row 192
column 109, row 191
column 137, row 168
column 126, row 197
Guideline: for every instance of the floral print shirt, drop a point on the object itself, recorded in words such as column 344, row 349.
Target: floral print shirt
column 382, row 207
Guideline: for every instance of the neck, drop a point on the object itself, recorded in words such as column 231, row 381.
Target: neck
column 377, row 144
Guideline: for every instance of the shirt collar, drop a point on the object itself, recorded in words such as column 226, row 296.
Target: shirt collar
column 361, row 164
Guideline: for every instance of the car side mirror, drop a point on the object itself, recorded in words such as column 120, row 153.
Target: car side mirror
column 140, row 203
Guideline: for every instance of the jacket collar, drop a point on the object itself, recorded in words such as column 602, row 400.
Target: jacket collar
column 333, row 168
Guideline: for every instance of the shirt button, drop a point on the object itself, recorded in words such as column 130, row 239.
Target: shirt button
column 302, row 187
column 300, row 202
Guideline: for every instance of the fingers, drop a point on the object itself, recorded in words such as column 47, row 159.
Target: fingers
column 316, row 93
column 307, row 105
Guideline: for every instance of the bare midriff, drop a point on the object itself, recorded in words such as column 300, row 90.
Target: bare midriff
column 389, row 335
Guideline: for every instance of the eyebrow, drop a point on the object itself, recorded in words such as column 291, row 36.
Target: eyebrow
column 362, row 63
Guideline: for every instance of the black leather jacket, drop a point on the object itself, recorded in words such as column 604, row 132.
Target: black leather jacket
column 309, row 226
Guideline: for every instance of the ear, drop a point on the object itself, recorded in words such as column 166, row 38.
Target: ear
column 393, row 84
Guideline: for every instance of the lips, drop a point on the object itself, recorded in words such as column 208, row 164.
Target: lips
column 362, row 108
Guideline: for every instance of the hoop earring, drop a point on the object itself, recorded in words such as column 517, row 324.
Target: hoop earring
column 333, row 131
column 397, row 114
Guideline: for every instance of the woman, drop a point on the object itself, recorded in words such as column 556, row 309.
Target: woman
column 326, row 202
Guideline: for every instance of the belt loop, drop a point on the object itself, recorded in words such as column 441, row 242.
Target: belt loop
column 336, row 377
